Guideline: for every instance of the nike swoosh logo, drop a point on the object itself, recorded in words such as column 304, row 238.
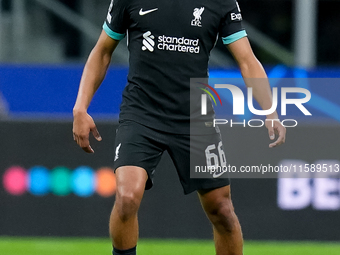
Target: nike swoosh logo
column 142, row 13
column 216, row 175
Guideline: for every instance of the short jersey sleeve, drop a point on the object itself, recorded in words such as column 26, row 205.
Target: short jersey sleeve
column 231, row 28
column 116, row 22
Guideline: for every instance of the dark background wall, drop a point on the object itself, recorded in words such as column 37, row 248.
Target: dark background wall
column 165, row 211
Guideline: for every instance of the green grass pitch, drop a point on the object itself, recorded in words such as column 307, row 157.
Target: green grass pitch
column 86, row 246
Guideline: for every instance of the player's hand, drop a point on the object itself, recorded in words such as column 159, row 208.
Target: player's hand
column 83, row 124
column 275, row 128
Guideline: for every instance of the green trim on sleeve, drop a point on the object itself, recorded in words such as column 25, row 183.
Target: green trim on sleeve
column 112, row 34
column 234, row 37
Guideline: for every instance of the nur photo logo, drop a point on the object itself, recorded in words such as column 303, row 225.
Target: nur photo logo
column 241, row 103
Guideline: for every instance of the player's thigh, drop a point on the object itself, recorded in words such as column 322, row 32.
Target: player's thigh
column 130, row 181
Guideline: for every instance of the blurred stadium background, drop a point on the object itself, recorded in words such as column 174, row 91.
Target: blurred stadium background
column 54, row 199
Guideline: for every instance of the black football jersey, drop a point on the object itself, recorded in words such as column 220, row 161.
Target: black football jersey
column 169, row 42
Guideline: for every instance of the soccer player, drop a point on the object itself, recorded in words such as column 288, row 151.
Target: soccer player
column 169, row 43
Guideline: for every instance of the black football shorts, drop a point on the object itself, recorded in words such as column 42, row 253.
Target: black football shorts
column 141, row 146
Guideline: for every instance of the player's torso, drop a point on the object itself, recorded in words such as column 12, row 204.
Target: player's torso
column 169, row 43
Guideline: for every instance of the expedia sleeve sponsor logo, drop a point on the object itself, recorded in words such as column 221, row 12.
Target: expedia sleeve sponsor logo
column 235, row 16
column 178, row 44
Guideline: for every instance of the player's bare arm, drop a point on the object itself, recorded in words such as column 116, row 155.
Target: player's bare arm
column 93, row 75
column 251, row 68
